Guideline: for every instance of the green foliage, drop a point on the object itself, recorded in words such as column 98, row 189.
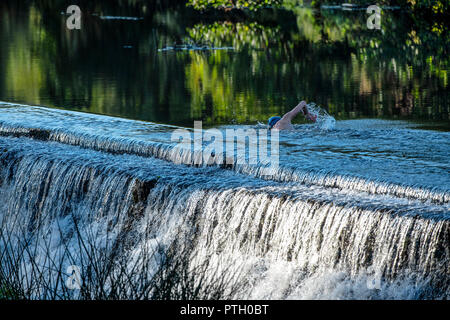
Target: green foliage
column 238, row 35
column 436, row 6
column 7, row 292
column 235, row 4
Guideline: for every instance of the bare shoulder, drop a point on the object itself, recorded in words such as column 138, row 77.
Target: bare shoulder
column 283, row 124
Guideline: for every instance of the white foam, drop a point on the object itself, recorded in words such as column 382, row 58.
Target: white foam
column 324, row 121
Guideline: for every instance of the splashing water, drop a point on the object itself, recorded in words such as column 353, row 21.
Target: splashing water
column 324, row 120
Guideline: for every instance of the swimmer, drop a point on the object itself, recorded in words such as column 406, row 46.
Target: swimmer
column 284, row 123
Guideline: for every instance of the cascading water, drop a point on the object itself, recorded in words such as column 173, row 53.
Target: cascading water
column 345, row 216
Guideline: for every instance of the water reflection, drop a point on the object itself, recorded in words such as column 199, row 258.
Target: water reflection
column 112, row 66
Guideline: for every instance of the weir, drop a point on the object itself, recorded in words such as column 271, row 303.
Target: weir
column 291, row 236
column 131, row 137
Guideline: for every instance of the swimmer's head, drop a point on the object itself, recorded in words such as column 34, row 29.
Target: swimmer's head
column 272, row 121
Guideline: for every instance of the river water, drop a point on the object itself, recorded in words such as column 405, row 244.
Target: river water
column 357, row 211
column 262, row 64
column 91, row 175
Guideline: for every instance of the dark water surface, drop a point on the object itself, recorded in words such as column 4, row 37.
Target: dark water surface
column 115, row 66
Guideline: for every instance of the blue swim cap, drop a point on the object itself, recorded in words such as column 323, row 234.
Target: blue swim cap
column 273, row 120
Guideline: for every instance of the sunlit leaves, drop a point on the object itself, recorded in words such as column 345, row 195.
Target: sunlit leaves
column 234, row 4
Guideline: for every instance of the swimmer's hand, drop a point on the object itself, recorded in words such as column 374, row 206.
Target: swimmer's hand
column 306, row 112
column 311, row 117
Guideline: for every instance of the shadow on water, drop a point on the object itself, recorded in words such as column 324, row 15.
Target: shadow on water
column 113, row 66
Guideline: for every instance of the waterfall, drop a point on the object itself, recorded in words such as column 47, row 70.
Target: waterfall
column 297, row 235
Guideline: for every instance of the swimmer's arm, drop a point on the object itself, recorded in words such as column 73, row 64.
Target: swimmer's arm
column 309, row 116
column 301, row 107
